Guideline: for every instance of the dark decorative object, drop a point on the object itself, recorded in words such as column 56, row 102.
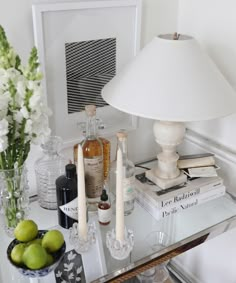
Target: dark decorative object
column 70, row 269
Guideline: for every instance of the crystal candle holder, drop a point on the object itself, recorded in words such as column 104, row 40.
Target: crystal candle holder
column 79, row 243
column 120, row 249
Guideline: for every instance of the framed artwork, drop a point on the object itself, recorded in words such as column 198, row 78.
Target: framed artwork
column 82, row 45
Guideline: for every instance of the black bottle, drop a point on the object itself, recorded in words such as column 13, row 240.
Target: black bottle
column 67, row 204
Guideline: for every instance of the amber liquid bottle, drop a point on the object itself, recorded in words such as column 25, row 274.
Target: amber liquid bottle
column 93, row 160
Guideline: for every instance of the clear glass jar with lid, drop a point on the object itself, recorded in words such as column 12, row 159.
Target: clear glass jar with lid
column 47, row 169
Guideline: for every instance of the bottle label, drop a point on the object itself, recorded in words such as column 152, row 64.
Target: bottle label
column 93, row 168
column 106, row 156
column 70, row 209
column 104, row 215
column 129, row 188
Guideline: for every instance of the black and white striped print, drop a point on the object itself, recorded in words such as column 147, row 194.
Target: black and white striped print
column 89, row 66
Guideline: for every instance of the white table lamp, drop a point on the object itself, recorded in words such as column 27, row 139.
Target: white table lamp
column 171, row 80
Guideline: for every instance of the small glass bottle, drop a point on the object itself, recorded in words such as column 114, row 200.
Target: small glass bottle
column 67, row 202
column 47, row 169
column 104, row 209
column 129, row 175
column 93, row 160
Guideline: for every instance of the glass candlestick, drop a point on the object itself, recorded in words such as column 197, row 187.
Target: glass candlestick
column 120, row 249
column 80, row 244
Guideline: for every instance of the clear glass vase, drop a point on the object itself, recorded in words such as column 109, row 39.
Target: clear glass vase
column 14, row 192
column 47, row 169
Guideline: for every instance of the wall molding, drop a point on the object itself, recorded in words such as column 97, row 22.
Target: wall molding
column 221, row 151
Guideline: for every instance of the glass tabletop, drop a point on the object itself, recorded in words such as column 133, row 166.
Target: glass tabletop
column 200, row 222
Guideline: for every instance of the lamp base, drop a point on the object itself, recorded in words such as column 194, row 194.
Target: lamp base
column 165, row 183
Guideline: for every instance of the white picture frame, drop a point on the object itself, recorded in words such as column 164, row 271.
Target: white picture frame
column 56, row 24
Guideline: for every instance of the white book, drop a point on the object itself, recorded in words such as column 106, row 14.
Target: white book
column 159, row 213
column 196, row 160
column 206, row 171
column 162, row 198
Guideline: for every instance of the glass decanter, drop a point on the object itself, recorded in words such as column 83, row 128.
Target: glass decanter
column 47, row 169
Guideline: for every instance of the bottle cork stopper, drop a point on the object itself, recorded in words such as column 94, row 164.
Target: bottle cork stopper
column 90, row 110
column 121, row 135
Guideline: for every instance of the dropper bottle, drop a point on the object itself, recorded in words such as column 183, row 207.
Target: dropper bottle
column 104, row 209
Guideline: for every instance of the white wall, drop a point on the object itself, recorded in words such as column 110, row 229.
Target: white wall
column 213, row 23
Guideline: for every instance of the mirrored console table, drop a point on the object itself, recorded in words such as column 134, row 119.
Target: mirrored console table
column 185, row 230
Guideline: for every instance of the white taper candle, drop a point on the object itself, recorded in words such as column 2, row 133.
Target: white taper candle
column 82, row 210
column 119, row 198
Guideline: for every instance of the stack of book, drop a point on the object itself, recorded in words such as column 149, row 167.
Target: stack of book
column 162, row 203
column 198, row 165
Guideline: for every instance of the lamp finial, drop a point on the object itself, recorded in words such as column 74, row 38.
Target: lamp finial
column 176, row 36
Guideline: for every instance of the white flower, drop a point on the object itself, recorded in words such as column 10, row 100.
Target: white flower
column 3, row 82
column 3, row 127
column 24, row 112
column 35, row 100
column 18, row 116
column 22, row 106
column 9, row 119
column 4, row 100
column 36, row 114
column 3, row 143
column 40, row 126
column 33, row 85
column 12, row 74
column 28, row 126
column 3, row 113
